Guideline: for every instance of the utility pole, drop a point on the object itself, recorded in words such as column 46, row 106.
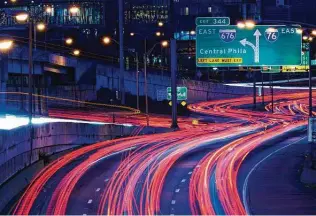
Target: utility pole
column 121, row 85
column 173, row 50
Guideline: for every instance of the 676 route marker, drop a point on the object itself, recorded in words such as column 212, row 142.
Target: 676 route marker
column 256, row 48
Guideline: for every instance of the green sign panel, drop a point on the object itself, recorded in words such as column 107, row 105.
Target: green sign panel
column 230, row 46
column 212, row 21
column 273, row 69
column 313, row 62
column 182, row 93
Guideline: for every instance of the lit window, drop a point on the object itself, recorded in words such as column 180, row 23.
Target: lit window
column 186, row 11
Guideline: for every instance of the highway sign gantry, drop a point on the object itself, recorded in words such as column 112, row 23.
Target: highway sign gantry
column 230, row 46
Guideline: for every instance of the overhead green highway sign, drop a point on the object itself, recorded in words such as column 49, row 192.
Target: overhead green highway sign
column 212, row 21
column 230, row 46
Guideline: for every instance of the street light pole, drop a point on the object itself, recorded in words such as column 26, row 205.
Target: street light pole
column 122, row 88
column 31, row 25
column 173, row 53
column 145, row 74
column 137, row 79
column 310, row 83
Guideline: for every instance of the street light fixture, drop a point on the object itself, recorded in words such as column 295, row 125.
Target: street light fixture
column 160, row 24
column 164, row 43
column 106, row 40
column 250, row 24
column 69, row 41
column 241, row 25
column 74, row 10
column 76, row 52
column 22, row 17
column 299, row 31
column 192, row 32
column 158, row 34
column 132, row 34
column 5, row 44
column 41, row 26
column 305, row 38
column 48, row 9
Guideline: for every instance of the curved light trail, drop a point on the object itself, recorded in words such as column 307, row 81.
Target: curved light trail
column 136, row 186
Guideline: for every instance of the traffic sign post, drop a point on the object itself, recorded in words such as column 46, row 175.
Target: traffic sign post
column 230, row 46
column 182, row 93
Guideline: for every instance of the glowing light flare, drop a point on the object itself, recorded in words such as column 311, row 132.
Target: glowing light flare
column 5, row 45
column 41, row 26
column 74, row 10
column 22, row 17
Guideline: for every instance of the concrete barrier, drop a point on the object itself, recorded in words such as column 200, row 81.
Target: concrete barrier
column 49, row 139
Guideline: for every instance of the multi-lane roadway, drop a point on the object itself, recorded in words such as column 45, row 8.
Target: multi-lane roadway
column 197, row 170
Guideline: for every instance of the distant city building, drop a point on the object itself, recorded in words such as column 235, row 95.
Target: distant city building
column 91, row 12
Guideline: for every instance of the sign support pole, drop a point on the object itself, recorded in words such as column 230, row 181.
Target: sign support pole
column 254, row 90
column 173, row 50
column 272, row 99
column 262, row 89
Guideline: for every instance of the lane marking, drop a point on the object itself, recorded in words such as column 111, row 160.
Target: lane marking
column 245, row 186
column 190, row 173
column 173, row 202
column 177, row 190
column 183, row 180
column 106, row 180
column 98, row 189
column 90, row 201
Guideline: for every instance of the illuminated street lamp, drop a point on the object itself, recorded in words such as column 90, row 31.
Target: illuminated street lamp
column 41, row 26
column 132, row 34
column 192, row 32
column 160, row 24
column 164, row 43
column 22, row 17
column 305, row 38
column 106, row 40
column 69, row 41
column 299, row 31
column 241, row 25
column 314, row 32
column 74, row 10
column 48, row 9
column 76, row 52
column 158, row 34
column 5, row 45
column 13, row 1
column 250, row 24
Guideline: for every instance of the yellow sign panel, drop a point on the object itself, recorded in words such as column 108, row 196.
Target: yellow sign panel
column 298, row 68
column 183, row 103
column 195, row 122
column 219, row 60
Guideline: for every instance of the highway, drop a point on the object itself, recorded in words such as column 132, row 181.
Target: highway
column 195, row 170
